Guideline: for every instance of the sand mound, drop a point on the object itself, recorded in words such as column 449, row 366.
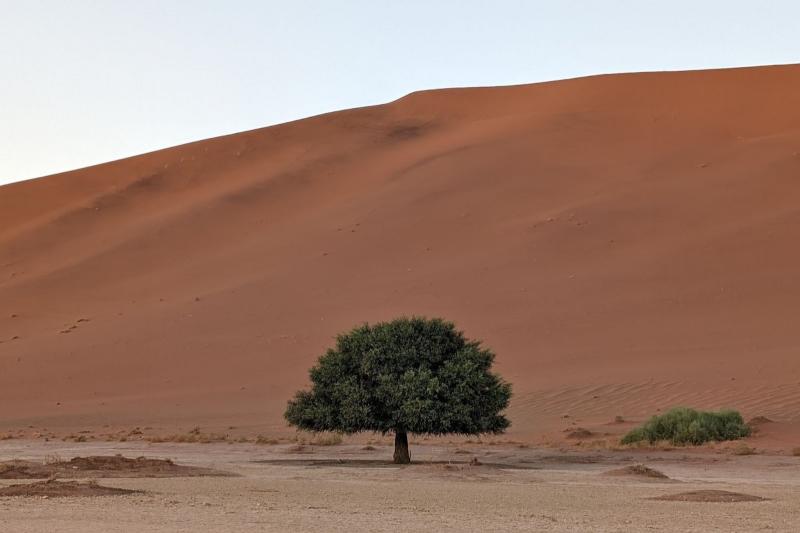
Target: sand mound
column 53, row 489
column 102, row 467
column 638, row 471
column 759, row 421
column 711, row 496
column 579, row 433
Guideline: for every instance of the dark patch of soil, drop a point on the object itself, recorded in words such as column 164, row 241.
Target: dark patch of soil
column 21, row 470
column 298, row 448
column 710, row 496
column 374, row 463
column 569, row 459
column 60, row 489
column 759, row 420
column 406, row 131
column 102, row 466
column 756, row 422
column 639, row 471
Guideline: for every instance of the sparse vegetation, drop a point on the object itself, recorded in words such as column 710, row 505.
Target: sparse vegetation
column 411, row 375
column 326, row 439
column 578, row 433
column 193, row 436
column 53, row 459
column 682, row 426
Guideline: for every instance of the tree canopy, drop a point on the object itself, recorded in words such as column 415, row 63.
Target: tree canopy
column 410, row 375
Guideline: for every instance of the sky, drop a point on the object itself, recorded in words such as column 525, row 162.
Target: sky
column 88, row 81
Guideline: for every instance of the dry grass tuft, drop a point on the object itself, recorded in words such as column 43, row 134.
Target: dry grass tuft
column 661, row 445
column 578, row 433
column 318, row 439
column 743, row 449
column 191, row 437
column 329, row 439
column 53, row 459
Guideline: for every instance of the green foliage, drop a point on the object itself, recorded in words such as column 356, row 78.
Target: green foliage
column 413, row 375
column 682, row 425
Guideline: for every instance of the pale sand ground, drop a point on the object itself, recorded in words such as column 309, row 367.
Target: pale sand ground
column 516, row 490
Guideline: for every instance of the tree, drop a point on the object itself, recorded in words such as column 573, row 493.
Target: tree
column 410, row 375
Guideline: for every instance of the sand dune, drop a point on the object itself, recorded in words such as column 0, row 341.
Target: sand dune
column 624, row 243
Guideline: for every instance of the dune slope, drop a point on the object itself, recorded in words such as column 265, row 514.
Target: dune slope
column 624, row 243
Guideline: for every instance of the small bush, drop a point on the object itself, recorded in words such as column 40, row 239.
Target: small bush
column 687, row 426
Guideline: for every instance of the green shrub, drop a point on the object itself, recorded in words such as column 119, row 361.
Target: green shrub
column 682, row 425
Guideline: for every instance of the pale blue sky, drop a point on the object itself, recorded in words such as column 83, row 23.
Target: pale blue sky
column 82, row 81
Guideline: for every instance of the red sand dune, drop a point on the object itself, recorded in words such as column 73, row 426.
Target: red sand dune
column 624, row 243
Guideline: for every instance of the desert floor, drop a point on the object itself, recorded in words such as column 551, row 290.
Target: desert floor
column 349, row 488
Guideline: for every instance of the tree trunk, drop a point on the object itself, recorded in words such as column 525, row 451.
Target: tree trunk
column 401, row 456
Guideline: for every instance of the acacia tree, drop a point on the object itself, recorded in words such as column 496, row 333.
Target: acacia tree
column 410, row 375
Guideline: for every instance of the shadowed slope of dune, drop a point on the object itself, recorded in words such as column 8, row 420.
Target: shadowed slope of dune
column 623, row 242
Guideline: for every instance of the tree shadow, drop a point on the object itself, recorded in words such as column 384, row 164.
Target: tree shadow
column 376, row 463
